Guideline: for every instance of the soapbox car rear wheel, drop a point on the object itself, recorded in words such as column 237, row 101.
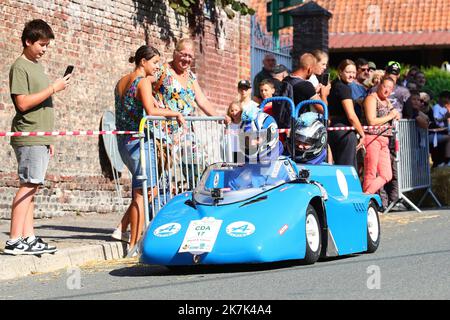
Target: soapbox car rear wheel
column 373, row 228
column 313, row 236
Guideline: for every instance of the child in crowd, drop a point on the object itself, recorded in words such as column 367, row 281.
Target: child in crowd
column 249, row 106
column 267, row 90
column 374, row 80
column 235, row 113
column 31, row 93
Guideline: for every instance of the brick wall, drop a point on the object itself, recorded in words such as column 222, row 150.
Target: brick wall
column 98, row 37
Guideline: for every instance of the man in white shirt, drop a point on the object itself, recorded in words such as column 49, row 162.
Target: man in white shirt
column 441, row 110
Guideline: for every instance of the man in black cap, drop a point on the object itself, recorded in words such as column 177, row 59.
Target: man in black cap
column 400, row 94
column 280, row 71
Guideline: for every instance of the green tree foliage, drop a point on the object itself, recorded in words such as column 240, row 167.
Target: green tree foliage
column 231, row 7
column 438, row 80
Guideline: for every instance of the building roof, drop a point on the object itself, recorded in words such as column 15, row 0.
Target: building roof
column 384, row 23
column 394, row 23
column 390, row 40
column 359, row 16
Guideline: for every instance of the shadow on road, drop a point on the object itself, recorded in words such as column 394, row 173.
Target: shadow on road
column 81, row 233
column 141, row 270
column 76, row 229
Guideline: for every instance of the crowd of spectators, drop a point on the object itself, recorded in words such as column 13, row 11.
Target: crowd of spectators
column 362, row 95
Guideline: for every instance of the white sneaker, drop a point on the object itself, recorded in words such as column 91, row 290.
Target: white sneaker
column 20, row 247
column 121, row 236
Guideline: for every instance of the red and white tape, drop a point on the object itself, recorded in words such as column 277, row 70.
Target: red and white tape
column 64, row 133
column 364, row 128
column 117, row 132
column 329, row 129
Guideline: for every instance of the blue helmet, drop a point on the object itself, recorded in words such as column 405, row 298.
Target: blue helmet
column 260, row 138
column 310, row 139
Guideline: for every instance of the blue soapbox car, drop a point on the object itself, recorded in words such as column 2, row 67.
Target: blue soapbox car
column 258, row 213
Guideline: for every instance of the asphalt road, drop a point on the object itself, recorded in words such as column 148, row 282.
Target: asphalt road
column 412, row 262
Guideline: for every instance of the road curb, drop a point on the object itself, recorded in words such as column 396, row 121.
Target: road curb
column 12, row 267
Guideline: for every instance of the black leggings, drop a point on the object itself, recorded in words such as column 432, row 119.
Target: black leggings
column 343, row 147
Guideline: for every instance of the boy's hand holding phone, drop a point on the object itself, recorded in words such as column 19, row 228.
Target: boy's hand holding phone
column 68, row 71
column 64, row 82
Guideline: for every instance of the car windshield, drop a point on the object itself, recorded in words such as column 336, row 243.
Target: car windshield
column 225, row 183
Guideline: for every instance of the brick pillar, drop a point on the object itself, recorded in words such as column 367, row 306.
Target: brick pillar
column 310, row 22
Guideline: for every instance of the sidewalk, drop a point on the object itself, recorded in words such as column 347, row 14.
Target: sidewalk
column 79, row 239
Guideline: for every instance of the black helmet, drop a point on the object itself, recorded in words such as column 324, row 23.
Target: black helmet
column 310, row 133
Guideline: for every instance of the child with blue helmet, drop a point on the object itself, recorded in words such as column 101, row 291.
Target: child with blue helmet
column 259, row 137
column 260, row 151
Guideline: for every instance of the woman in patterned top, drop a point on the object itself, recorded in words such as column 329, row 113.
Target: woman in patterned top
column 176, row 86
column 378, row 111
column 133, row 96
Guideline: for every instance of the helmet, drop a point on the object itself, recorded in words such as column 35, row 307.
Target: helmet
column 310, row 139
column 260, row 138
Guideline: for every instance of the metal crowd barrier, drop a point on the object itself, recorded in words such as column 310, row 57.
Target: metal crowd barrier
column 181, row 152
column 412, row 161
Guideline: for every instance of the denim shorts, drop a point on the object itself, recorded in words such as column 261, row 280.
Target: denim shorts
column 32, row 163
column 129, row 151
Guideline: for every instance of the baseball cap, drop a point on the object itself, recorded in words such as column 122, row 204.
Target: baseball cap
column 372, row 65
column 244, row 84
column 279, row 68
column 393, row 67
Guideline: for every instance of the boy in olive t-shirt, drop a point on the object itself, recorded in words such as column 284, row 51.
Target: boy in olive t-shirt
column 31, row 93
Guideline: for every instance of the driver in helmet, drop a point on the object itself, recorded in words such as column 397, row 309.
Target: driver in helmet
column 259, row 139
column 259, row 144
column 310, row 139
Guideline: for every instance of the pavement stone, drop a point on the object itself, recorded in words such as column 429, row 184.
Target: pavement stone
column 80, row 239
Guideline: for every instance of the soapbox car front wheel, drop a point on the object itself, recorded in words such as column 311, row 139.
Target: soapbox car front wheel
column 313, row 236
column 373, row 228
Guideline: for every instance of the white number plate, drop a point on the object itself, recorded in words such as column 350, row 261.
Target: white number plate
column 201, row 235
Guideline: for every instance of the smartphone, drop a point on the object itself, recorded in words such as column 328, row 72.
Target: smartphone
column 325, row 79
column 69, row 70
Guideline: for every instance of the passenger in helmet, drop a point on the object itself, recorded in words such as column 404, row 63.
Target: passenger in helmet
column 310, row 139
column 259, row 139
